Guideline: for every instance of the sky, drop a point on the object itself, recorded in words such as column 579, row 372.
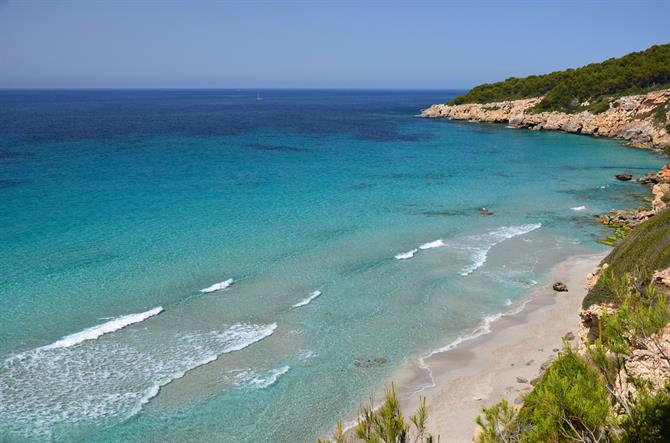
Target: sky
column 312, row 44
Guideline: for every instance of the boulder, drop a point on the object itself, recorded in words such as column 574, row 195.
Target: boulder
column 623, row 177
column 559, row 286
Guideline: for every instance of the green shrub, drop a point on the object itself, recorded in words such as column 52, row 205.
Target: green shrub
column 599, row 107
column 641, row 314
column 644, row 250
column 648, row 419
column 386, row 424
column 499, row 424
column 660, row 114
column 569, row 402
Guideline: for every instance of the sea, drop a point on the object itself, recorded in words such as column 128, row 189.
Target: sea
column 252, row 266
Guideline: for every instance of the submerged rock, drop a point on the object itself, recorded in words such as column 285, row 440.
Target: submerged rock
column 369, row 363
column 623, row 177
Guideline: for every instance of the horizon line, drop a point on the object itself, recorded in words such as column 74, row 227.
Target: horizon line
column 223, row 89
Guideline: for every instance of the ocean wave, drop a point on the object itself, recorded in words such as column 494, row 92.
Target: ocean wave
column 578, row 208
column 305, row 354
column 483, row 244
column 406, row 255
column 106, row 381
column 307, row 300
column 96, row 331
column 218, row 286
column 253, row 380
column 433, row 244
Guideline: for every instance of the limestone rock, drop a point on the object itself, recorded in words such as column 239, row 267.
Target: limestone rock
column 631, row 120
column 589, row 328
column 662, row 277
column 560, row 287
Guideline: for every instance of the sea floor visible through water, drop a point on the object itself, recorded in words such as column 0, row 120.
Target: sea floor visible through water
column 203, row 266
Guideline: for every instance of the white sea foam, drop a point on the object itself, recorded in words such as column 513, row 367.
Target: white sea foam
column 104, row 380
column 578, row 208
column 307, row 300
column 96, row 331
column 406, row 255
column 305, row 354
column 218, row 286
column 479, row 246
column 433, row 244
column 508, row 302
column 251, row 380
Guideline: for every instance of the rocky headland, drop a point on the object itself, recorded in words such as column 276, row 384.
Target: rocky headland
column 629, row 118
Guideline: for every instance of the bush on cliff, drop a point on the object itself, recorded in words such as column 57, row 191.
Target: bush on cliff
column 644, row 250
column 597, row 83
column 649, row 419
column 579, row 398
column 386, row 424
column 569, row 403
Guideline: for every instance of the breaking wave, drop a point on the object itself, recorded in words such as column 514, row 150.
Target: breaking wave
column 106, row 381
column 406, row 255
column 481, row 245
column 433, row 244
column 96, row 331
column 307, row 300
column 218, row 286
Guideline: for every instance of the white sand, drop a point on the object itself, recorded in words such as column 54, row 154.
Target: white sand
column 482, row 371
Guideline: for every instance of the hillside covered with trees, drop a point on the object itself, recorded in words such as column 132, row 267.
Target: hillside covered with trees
column 590, row 87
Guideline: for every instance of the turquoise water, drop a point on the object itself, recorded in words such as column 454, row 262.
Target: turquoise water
column 132, row 202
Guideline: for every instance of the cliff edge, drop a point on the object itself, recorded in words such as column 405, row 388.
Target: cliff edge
column 633, row 118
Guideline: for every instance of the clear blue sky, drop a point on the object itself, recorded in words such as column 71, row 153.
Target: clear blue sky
column 312, row 44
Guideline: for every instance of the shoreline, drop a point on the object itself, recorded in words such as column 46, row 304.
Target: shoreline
column 481, row 368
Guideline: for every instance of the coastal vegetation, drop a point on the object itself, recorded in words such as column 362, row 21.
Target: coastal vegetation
column 593, row 395
column 643, row 250
column 593, row 87
column 386, row 424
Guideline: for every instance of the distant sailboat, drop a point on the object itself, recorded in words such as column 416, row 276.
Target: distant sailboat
column 258, row 96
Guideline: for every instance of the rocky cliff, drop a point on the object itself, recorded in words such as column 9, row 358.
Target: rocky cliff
column 629, row 118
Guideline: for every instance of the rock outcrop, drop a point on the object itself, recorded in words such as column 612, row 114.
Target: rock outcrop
column 629, row 118
column 624, row 218
column 662, row 279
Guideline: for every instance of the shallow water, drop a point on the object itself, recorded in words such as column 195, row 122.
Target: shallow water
column 126, row 215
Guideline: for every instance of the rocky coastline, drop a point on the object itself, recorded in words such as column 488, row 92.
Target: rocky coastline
column 629, row 118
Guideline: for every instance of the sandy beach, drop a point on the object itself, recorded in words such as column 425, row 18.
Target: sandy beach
column 482, row 371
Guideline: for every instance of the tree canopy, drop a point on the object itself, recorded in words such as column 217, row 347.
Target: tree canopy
column 589, row 87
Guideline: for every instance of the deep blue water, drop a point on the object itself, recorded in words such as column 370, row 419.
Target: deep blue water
column 130, row 202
